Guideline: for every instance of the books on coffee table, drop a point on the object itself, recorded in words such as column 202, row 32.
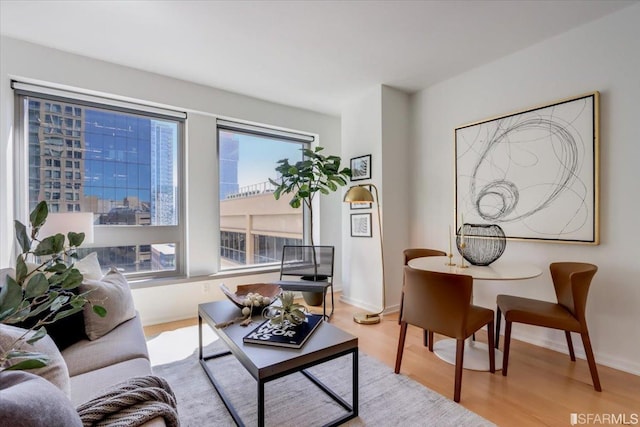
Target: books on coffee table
column 287, row 335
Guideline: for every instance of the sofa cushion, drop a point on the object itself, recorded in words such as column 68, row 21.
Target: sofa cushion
column 63, row 332
column 125, row 342
column 89, row 267
column 30, row 401
column 113, row 293
column 85, row 387
column 56, row 370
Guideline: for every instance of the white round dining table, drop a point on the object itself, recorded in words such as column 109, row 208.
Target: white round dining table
column 476, row 354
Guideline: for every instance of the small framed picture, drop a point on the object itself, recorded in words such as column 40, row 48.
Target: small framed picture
column 361, row 225
column 363, row 205
column 361, row 168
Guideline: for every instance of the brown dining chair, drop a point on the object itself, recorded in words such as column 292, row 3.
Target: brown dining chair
column 441, row 302
column 410, row 254
column 571, row 281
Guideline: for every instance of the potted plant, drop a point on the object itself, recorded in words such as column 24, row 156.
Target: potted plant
column 316, row 173
column 46, row 291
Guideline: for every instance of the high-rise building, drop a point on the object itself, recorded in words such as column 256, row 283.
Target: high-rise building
column 56, row 155
column 163, row 165
column 118, row 160
column 229, row 156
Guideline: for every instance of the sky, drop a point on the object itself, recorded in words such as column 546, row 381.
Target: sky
column 258, row 157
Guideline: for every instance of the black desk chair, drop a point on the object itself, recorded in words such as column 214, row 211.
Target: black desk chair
column 314, row 273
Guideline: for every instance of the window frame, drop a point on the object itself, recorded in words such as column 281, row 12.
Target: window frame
column 306, row 141
column 107, row 235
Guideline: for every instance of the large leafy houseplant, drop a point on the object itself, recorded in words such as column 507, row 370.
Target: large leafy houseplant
column 45, row 290
column 316, row 173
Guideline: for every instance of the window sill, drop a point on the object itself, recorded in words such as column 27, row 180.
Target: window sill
column 176, row 280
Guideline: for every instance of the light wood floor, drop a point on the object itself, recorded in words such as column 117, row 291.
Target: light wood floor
column 543, row 387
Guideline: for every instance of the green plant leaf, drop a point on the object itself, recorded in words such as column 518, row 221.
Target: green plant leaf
column 99, row 310
column 37, row 285
column 56, row 268
column 75, row 239
column 44, row 305
column 277, row 192
column 40, row 333
column 66, row 313
column 60, row 276
column 21, row 269
column 22, row 237
column 78, row 301
column 36, row 362
column 72, row 280
column 59, row 302
column 22, row 312
column 50, row 245
column 10, row 298
column 39, row 215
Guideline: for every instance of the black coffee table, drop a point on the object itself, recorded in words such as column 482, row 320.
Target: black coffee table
column 267, row 363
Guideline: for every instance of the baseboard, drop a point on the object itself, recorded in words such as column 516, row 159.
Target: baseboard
column 169, row 319
column 609, row 360
column 368, row 307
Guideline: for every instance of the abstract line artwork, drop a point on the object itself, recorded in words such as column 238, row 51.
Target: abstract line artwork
column 361, row 225
column 534, row 173
column 361, row 168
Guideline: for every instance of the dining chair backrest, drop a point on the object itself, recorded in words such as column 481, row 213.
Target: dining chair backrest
column 412, row 253
column 438, row 302
column 571, row 281
column 300, row 260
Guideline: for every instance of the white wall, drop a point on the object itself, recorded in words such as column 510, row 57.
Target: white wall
column 602, row 56
column 20, row 59
column 377, row 123
column 362, row 135
column 395, row 182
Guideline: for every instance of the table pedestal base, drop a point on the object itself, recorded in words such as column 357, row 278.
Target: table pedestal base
column 476, row 354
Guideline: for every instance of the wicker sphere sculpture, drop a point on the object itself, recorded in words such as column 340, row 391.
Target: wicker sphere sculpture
column 484, row 243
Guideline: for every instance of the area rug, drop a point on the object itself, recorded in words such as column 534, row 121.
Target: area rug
column 386, row 399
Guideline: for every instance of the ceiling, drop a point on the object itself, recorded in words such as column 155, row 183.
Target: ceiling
column 309, row 54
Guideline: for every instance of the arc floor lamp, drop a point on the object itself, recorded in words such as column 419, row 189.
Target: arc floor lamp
column 362, row 194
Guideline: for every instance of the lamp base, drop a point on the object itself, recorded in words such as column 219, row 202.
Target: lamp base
column 366, row 318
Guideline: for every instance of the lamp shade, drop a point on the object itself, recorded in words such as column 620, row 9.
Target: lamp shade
column 78, row 222
column 358, row 194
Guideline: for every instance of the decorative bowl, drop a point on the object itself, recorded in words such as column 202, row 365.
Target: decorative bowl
column 268, row 290
column 484, row 243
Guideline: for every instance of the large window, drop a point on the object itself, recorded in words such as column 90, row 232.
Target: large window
column 253, row 225
column 121, row 164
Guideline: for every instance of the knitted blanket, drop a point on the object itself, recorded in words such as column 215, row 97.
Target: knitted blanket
column 131, row 403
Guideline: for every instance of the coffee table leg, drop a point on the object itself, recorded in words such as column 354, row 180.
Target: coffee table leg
column 260, row 403
column 355, row 382
column 200, row 337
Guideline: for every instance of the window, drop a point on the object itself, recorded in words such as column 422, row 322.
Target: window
column 125, row 167
column 253, row 225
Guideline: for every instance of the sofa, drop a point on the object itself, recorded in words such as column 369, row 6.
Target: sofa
column 97, row 365
column 88, row 369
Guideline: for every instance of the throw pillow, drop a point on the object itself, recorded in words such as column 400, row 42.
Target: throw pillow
column 89, row 266
column 3, row 275
column 55, row 372
column 64, row 332
column 30, row 401
column 113, row 293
